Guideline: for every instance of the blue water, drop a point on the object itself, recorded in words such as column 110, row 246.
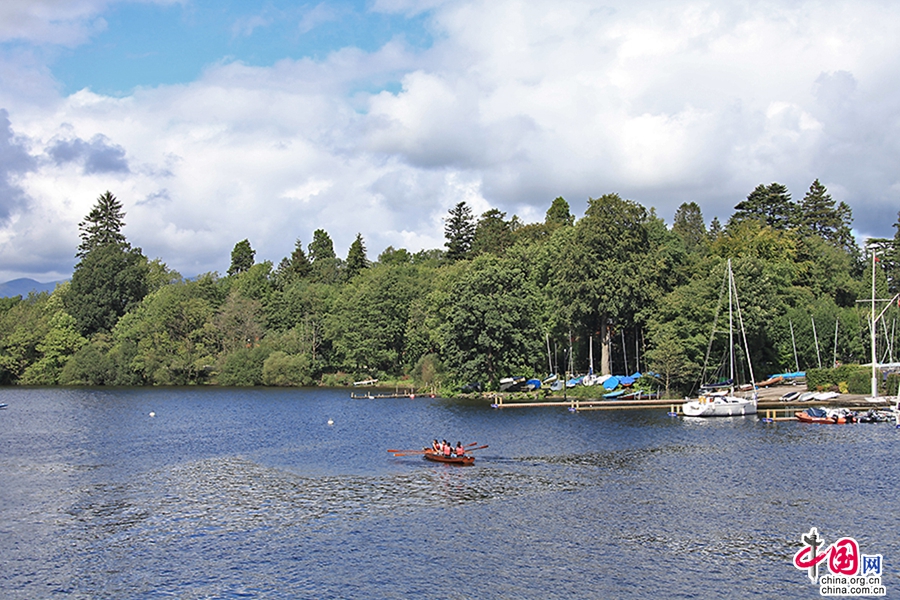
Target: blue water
column 252, row 494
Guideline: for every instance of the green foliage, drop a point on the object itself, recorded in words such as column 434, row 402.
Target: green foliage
column 109, row 281
column 293, row 370
column 688, row 225
column 325, row 264
column 770, row 205
column 60, row 342
column 356, row 258
column 242, row 257
column 491, row 323
column 243, row 367
column 459, row 231
column 102, row 226
column 492, row 234
column 558, row 214
column 858, row 379
column 488, row 312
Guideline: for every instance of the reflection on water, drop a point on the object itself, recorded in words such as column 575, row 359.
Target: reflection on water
column 249, row 494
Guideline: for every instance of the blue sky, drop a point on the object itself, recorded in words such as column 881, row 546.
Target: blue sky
column 146, row 44
column 218, row 121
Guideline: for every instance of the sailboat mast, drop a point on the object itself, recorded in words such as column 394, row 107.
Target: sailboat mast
column 872, row 331
column 730, row 324
column 834, row 355
column 816, row 340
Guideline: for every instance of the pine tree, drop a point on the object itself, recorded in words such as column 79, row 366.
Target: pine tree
column 356, row 258
column 771, row 204
column 241, row 257
column 689, row 226
column 102, row 226
column 111, row 276
column 492, row 234
column 459, row 231
column 325, row 264
column 558, row 214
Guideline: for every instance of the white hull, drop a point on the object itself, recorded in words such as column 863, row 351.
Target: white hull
column 719, row 406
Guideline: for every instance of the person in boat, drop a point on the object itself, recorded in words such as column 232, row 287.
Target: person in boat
column 448, row 450
column 436, row 446
column 460, row 451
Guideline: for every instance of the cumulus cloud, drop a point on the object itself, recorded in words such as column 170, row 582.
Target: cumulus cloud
column 96, row 156
column 15, row 161
column 512, row 105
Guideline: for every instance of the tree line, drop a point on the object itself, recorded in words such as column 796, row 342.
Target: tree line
column 503, row 298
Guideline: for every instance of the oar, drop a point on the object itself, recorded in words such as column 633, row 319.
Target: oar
column 477, row 448
column 419, row 451
column 409, row 453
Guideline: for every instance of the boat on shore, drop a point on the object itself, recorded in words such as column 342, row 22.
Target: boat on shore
column 724, row 402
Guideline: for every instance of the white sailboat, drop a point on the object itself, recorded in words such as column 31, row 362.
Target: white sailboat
column 725, row 403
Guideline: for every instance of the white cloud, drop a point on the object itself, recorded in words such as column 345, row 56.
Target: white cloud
column 514, row 104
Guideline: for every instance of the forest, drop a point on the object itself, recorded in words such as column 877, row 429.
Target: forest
column 502, row 298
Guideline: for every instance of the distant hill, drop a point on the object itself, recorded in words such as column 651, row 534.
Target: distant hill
column 22, row 287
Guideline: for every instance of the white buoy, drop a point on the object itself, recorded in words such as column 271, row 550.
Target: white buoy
column 152, row 414
column 330, row 421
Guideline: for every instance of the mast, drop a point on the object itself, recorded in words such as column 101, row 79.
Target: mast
column 816, row 340
column 730, row 325
column 834, row 356
column 872, row 331
column 591, row 371
column 794, row 344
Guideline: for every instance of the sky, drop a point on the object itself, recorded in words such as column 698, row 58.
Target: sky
column 214, row 121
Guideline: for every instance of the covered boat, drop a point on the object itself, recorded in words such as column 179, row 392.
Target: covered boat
column 835, row 416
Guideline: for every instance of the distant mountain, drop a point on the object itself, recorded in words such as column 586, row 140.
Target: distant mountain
column 21, row 287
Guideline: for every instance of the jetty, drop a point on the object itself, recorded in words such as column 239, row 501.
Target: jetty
column 769, row 404
column 411, row 393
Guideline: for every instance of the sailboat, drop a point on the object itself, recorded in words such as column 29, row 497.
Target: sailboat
column 722, row 401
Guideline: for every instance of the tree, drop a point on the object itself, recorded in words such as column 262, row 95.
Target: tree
column 459, row 231
column 108, row 281
column 689, row 226
column 818, row 215
column 491, row 322
column 356, row 258
column 111, row 276
column 242, row 257
column 325, row 264
column 102, row 226
column 770, row 204
column 293, row 267
column 601, row 277
column 558, row 214
column 492, row 234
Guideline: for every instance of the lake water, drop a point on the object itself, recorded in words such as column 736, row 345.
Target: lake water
column 252, row 494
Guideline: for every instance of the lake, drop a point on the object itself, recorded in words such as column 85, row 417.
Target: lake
column 250, row 493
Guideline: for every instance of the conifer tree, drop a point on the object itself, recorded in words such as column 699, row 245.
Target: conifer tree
column 459, row 231
column 111, row 276
column 769, row 203
column 558, row 214
column 241, row 257
column 102, row 226
column 689, row 226
column 356, row 258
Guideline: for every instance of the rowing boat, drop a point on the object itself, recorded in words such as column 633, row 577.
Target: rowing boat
column 465, row 460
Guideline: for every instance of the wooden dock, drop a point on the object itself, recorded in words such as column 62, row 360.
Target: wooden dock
column 768, row 408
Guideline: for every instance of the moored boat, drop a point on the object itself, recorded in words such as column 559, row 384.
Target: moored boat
column 722, row 403
column 837, row 416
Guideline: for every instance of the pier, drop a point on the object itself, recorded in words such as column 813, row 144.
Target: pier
column 768, row 406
